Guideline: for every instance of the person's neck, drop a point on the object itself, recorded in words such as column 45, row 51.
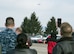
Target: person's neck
column 67, row 35
column 10, row 27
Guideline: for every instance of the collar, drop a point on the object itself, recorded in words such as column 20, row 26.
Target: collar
column 8, row 29
column 65, row 39
column 21, row 47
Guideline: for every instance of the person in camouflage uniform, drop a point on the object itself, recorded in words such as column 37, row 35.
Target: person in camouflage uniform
column 8, row 36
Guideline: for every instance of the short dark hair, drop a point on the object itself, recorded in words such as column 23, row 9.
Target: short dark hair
column 9, row 21
column 66, row 29
column 22, row 39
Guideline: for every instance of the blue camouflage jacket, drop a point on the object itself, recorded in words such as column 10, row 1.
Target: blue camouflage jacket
column 7, row 40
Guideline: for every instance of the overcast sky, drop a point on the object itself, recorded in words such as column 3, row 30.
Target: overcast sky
column 44, row 9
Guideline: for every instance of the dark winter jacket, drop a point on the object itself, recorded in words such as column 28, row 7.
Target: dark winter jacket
column 22, row 51
column 64, row 46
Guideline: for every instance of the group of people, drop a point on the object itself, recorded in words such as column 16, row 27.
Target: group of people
column 18, row 43
column 14, row 42
column 65, row 45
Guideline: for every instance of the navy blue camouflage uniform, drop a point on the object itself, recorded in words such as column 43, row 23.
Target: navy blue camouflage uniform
column 8, row 40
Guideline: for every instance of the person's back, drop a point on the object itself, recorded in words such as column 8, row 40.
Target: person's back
column 8, row 36
column 51, row 44
column 65, row 45
column 22, row 51
column 22, row 47
column 0, row 49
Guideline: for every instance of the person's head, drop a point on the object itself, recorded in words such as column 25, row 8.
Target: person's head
column 66, row 29
column 9, row 22
column 18, row 30
column 21, row 40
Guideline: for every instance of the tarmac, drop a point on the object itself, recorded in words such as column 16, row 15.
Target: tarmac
column 41, row 48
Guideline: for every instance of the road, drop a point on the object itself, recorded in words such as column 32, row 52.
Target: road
column 41, row 48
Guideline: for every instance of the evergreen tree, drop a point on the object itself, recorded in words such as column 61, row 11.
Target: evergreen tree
column 35, row 24
column 31, row 25
column 53, row 24
column 25, row 25
column 51, row 27
column 48, row 28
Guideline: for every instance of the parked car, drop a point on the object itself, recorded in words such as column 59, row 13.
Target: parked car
column 58, row 37
column 37, row 39
column 44, row 38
